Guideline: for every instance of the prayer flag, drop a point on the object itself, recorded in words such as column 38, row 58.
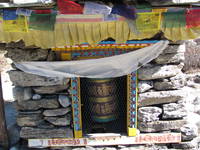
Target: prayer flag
column 193, row 18
column 18, row 25
column 174, row 19
column 42, row 21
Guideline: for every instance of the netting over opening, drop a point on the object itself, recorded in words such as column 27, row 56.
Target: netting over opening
column 104, row 105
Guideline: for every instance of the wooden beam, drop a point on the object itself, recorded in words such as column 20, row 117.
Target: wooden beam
column 3, row 130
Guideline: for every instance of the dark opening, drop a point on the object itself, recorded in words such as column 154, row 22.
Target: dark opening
column 104, row 105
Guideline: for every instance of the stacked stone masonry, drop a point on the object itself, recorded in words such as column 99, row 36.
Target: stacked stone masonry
column 165, row 100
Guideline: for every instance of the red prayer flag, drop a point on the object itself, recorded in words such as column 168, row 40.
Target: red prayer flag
column 43, row 11
column 69, row 7
column 193, row 18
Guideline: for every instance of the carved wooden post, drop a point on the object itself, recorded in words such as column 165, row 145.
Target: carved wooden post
column 3, row 130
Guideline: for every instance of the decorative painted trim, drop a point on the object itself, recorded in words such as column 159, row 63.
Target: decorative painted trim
column 106, row 45
column 76, row 107
column 149, row 138
column 132, row 103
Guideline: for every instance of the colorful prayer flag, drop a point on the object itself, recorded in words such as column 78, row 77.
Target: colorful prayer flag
column 9, row 14
column 193, row 18
column 149, row 21
column 174, row 19
column 69, row 7
column 18, row 25
column 42, row 21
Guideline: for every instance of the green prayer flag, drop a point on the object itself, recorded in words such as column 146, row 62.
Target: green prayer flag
column 42, row 21
column 174, row 19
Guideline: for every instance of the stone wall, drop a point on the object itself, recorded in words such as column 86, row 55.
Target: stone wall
column 168, row 99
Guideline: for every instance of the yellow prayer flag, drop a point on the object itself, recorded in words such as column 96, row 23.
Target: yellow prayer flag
column 147, row 22
column 159, row 10
column 18, row 25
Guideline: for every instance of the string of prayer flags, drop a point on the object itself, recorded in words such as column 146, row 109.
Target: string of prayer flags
column 92, row 8
column 69, row 7
column 193, row 18
column 174, row 19
column 42, row 21
column 9, row 14
column 24, row 12
column 17, row 25
column 43, row 11
column 149, row 21
column 125, row 11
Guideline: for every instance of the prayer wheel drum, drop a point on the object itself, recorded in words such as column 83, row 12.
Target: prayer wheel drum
column 103, row 100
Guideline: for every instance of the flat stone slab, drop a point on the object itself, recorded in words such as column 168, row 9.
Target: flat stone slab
column 173, row 83
column 56, row 112
column 23, row 79
column 158, row 72
column 174, row 111
column 37, row 104
column 161, row 125
column 18, row 55
column 144, row 86
column 32, row 120
column 170, row 58
column 21, row 94
column 148, row 114
column 171, row 49
column 28, row 132
column 160, row 97
column 59, row 121
column 51, row 89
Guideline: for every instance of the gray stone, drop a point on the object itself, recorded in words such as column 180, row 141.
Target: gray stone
column 158, row 72
column 22, row 94
column 23, row 79
column 109, row 148
column 188, row 132
column 196, row 105
column 62, row 148
column 161, row 125
column 51, row 56
column 147, row 114
column 29, row 120
column 29, row 112
column 18, row 55
column 170, row 58
column 174, row 111
column 144, row 86
column 18, row 44
column 173, row 83
column 51, row 89
column 37, row 104
column 161, row 97
column 186, row 145
column 59, row 121
column 56, row 112
column 81, row 148
column 171, row 49
column 29, row 132
column 36, row 97
column 64, row 100
column 89, row 148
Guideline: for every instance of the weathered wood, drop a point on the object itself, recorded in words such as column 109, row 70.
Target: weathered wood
column 3, row 131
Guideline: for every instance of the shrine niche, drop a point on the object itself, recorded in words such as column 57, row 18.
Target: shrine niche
column 103, row 105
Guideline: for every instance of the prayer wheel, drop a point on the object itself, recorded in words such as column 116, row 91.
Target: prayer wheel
column 103, row 99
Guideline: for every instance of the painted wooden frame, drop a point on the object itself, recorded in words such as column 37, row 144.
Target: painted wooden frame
column 103, row 49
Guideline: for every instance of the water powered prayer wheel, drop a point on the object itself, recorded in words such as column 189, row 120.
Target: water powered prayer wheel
column 103, row 99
